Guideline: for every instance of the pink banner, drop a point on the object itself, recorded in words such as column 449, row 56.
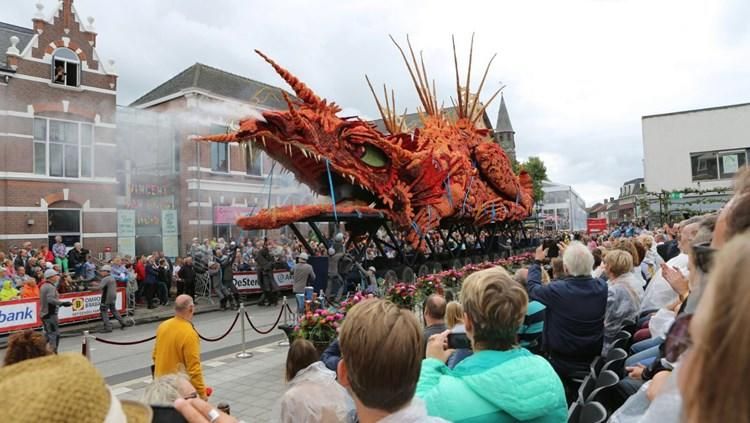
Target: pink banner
column 226, row 215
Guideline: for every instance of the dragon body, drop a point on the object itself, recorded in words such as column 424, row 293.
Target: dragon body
column 447, row 168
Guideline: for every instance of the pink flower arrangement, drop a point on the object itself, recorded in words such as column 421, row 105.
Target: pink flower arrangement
column 452, row 278
column 350, row 302
column 320, row 326
column 402, row 294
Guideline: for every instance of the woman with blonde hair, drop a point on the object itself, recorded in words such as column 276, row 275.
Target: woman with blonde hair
column 454, row 320
column 713, row 379
column 623, row 302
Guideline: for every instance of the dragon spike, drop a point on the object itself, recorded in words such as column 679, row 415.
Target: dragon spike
column 292, row 111
column 300, row 89
column 468, row 79
column 458, row 84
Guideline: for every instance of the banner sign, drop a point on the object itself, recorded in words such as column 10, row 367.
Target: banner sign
column 86, row 305
column 225, row 215
column 247, row 282
column 125, row 223
column 596, row 224
column 19, row 314
column 24, row 314
column 169, row 223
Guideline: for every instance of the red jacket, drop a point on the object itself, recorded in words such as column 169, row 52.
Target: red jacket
column 140, row 271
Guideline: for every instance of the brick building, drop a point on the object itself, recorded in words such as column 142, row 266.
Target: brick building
column 57, row 131
column 210, row 184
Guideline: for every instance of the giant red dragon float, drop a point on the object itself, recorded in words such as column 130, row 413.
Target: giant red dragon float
column 449, row 167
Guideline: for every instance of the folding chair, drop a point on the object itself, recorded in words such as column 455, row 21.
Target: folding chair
column 574, row 412
column 592, row 412
column 587, row 386
column 606, row 380
column 616, row 361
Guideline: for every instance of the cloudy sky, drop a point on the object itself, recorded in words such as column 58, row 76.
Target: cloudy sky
column 579, row 74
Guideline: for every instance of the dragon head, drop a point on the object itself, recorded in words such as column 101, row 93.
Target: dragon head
column 309, row 139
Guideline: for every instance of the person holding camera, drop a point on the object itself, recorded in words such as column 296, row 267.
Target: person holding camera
column 500, row 382
column 50, row 303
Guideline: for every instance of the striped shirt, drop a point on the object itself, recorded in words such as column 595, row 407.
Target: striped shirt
column 530, row 332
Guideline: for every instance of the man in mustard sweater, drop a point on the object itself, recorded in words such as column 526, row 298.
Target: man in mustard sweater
column 177, row 347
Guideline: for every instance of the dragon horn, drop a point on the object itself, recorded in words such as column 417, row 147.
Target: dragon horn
column 303, row 91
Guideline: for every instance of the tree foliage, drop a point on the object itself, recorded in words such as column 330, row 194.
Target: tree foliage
column 538, row 171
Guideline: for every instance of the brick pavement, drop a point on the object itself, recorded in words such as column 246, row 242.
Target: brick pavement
column 251, row 386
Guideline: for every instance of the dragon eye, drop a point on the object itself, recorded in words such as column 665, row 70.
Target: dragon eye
column 373, row 156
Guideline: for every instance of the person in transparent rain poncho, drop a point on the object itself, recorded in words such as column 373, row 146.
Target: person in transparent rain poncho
column 312, row 395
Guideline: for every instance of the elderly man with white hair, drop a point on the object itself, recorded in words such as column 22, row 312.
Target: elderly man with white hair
column 574, row 321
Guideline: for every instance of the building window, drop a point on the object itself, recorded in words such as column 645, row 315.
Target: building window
column 63, row 148
column 66, row 67
column 219, row 151
column 219, row 157
column 713, row 165
column 254, row 161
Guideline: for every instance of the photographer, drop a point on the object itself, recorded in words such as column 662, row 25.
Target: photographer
column 500, row 381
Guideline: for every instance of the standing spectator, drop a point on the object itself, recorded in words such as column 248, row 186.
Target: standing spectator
column 177, row 345
column 76, row 259
column 179, row 283
column 381, row 350
column 187, row 275
column 264, row 267
column 163, row 279
column 50, row 303
column 500, row 382
column 434, row 316
column 108, row 302
column 60, row 251
column 303, row 274
column 25, row 346
column 335, row 281
column 140, row 275
column 120, row 272
column 150, row 282
column 575, row 307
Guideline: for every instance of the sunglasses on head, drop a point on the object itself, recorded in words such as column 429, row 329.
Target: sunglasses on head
column 678, row 339
column 704, row 256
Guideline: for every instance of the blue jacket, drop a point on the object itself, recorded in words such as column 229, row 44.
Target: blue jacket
column 574, row 320
column 493, row 386
column 332, row 355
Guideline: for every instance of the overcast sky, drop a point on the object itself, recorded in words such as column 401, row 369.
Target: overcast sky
column 579, row 74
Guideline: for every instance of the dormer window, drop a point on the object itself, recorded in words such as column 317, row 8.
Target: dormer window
column 66, row 67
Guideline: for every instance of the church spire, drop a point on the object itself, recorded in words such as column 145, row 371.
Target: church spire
column 504, row 133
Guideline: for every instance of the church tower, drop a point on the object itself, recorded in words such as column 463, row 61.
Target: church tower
column 504, row 134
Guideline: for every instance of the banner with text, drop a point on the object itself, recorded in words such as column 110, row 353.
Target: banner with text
column 19, row 314
column 86, row 305
column 247, row 282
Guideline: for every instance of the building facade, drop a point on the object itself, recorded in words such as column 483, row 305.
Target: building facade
column 57, row 131
column 691, row 157
column 563, row 208
column 208, row 184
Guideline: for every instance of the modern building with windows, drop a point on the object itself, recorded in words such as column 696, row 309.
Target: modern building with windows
column 695, row 150
column 57, row 131
column 563, row 208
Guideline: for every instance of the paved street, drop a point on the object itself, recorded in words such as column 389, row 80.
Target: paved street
column 250, row 386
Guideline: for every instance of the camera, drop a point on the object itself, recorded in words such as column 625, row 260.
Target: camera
column 459, row 340
column 550, row 244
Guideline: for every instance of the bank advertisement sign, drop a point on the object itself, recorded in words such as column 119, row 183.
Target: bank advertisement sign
column 19, row 314
column 23, row 314
column 247, row 282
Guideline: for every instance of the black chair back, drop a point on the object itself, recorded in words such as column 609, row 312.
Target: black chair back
column 592, row 412
column 607, row 379
column 615, row 361
column 574, row 412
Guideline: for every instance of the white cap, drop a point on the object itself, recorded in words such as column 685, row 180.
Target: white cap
column 331, row 251
column 303, row 256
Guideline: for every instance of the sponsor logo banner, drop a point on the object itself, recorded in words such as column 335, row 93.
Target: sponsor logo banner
column 19, row 314
column 86, row 305
column 247, row 282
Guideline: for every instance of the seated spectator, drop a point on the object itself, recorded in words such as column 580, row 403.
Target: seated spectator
column 530, row 332
column 434, row 316
column 21, row 277
column 500, row 382
column 24, row 346
column 88, row 273
column 312, row 394
column 622, row 299
column 30, row 289
column 63, row 388
column 8, row 292
column 574, row 317
column 636, row 282
column 381, row 350
column 164, row 390
column 454, row 320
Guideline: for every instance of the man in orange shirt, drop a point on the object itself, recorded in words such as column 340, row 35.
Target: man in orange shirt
column 177, row 346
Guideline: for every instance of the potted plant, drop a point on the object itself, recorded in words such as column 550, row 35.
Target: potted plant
column 319, row 327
